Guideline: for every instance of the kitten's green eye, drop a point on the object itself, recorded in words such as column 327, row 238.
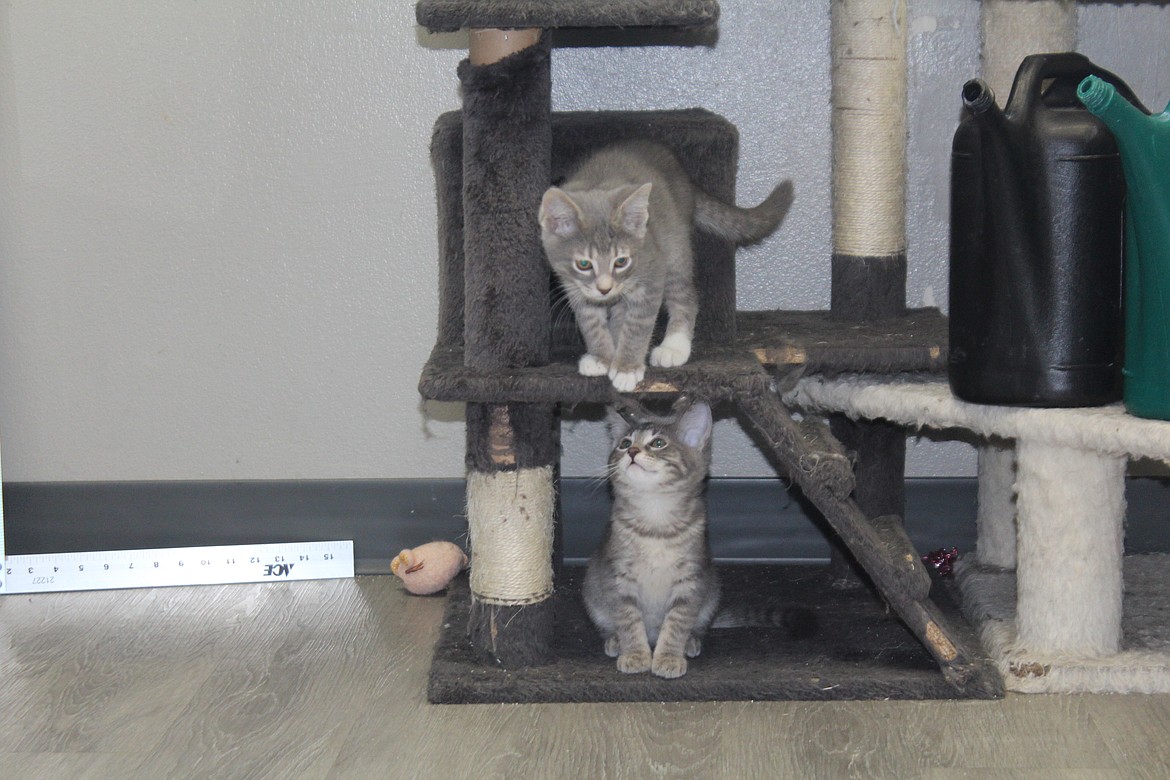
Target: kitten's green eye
column 621, row 262
column 624, row 444
column 583, row 264
column 658, row 443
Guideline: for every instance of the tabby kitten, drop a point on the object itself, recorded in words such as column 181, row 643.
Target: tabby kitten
column 618, row 235
column 651, row 587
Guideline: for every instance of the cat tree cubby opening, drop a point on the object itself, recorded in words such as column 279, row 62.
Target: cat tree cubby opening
column 521, row 638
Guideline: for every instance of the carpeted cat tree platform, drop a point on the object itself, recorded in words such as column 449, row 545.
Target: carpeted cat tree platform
column 1059, row 607
column 515, row 630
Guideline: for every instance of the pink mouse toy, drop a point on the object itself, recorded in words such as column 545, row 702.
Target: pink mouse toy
column 429, row 567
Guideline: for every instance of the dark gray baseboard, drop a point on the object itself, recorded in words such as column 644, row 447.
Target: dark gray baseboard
column 751, row 519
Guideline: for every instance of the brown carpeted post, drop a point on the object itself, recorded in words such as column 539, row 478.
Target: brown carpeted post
column 512, row 449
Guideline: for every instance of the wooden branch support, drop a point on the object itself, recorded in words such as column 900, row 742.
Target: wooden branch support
column 806, row 458
column 901, row 553
column 881, row 548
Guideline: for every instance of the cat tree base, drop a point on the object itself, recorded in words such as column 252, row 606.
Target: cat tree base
column 854, row 651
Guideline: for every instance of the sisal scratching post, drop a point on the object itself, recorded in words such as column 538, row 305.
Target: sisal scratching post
column 1012, row 30
column 511, row 449
column 869, row 216
column 869, row 159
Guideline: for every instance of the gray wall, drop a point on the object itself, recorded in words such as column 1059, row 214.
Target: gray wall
column 217, row 230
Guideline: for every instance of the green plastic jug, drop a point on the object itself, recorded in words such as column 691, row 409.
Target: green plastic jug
column 1144, row 142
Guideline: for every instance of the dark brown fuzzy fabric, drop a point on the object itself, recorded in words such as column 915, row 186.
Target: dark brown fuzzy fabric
column 449, row 15
column 536, row 438
column 868, row 288
column 713, row 374
column 447, row 162
column 865, row 289
column 509, row 637
column 786, row 341
column 856, row 650
column 506, row 168
column 817, row 342
column 880, row 480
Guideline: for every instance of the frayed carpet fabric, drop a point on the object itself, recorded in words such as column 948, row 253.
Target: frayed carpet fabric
column 1142, row 666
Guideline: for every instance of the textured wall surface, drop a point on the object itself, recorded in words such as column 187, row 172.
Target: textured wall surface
column 217, row 227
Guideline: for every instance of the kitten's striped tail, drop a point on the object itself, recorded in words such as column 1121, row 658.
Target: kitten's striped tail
column 743, row 226
column 799, row 622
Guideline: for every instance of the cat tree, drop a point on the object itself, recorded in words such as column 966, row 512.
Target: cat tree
column 498, row 352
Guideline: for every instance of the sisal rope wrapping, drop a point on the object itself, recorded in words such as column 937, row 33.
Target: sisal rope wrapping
column 1013, row 29
column 510, row 518
column 869, row 127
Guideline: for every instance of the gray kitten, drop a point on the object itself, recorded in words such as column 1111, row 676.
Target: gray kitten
column 618, row 235
column 651, row 583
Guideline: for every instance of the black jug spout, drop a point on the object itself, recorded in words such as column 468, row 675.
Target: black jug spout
column 997, row 133
column 978, row 97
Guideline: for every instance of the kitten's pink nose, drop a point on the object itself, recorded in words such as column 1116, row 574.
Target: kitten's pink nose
column 604, row 285
column 633, row 452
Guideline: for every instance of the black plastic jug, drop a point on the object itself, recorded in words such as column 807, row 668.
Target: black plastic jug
column 1037, row 195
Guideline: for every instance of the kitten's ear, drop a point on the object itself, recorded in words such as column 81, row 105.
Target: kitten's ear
column 634, row 212
column 559, row 215
column 694, row 427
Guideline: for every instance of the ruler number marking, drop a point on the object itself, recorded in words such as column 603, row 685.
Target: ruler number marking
column 177, row 566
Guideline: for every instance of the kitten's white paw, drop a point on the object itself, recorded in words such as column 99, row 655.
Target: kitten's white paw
column 669, row 666
column 694, row 646
column 591, row 365
column 612, row 647
column 633, row 663
column 674, row 350
column 626, row 381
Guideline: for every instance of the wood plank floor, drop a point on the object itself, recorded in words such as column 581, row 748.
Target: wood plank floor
column 326, row 679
